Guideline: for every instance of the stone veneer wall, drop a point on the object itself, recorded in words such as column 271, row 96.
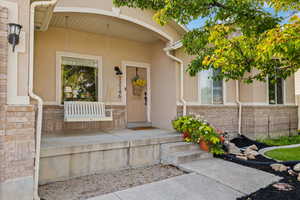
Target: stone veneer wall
column 257, row 121
column 17, row 125
column 53, row 120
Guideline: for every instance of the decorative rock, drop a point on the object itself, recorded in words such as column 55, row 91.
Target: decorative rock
column 242, row 157
column 279, row 167
column 292, row 172
column 251, row 156
column 251, row 152
column 233, row 149
column 253, row 147
column 283, row 186
column 297, row 167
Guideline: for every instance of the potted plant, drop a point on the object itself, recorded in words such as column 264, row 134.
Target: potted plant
column 186, row 125
column 209, row 139
column 196, row 130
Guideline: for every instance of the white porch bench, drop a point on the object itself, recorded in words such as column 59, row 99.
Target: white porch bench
column 80, row 111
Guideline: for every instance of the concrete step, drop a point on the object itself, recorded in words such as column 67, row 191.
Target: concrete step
column 178, row 147
column 185, row 156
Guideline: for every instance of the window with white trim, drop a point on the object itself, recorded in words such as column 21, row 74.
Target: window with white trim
column 79, row 78
column 210, row 90
column 276, row 91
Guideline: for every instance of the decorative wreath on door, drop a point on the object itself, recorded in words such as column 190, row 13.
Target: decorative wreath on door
column 138, row 85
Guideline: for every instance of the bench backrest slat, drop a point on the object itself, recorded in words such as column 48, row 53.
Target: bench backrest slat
column 84, row 110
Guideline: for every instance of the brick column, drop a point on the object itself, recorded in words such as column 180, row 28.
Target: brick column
column 3, row 83
column 17, row 132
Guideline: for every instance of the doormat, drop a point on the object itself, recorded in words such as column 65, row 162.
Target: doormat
column 142, row 128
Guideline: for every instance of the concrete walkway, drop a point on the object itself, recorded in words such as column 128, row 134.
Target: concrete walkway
column 211, row 179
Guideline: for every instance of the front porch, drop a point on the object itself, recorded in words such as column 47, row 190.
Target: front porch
column 77, row 62
column 76, row 153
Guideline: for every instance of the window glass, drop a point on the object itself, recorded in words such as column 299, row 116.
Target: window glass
column 272, row 93
column 276, row 91
column 79, row 79
column 211, row 91
column 206, row 86
column 217, row 90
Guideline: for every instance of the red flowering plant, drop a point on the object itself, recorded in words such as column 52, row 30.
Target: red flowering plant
column 186, row 125
column 195, row 129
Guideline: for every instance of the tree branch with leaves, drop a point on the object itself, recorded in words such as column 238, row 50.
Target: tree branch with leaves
column 240, row 37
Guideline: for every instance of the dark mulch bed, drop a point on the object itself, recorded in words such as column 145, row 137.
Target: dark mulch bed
column 262, row 163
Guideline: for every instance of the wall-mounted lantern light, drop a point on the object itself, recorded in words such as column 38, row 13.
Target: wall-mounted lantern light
column 14, row 31
column 119, row 73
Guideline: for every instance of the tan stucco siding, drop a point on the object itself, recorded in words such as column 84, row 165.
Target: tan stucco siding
column 112, row 50
column 260, row 92
column 103, row 4
column 290, row 90
column 297, row 82
column 147, row 17
column 137, row 15
column 191, row 94
column 256, row 92
column 163, row 90
column 230, row 92
column 190, row 88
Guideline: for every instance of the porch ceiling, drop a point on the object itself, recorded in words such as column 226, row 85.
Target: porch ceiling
column 104, row 25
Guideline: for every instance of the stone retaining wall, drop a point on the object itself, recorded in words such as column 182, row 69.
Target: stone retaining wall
column 53, row 120
column 257, row 121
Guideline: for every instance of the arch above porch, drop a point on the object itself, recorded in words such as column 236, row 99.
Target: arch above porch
column 117, row 14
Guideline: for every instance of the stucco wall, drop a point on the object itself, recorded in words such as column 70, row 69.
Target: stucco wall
column 145, row 16
column 254, row 93
column 290, row 90
column 112, row 50
column 163, row 89
column 191, row 83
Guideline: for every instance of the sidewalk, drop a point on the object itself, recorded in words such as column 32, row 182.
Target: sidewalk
column 211, row 179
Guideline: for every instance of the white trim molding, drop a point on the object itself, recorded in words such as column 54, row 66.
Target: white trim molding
column 59, row 55
column 126, row 64
column 12, row 60
column 114, row 13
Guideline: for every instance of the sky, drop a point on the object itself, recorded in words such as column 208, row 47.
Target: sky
column 200, row 22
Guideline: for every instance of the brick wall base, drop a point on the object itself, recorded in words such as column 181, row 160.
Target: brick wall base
column 17, row 152
column 257, row 121
column 53, row 120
